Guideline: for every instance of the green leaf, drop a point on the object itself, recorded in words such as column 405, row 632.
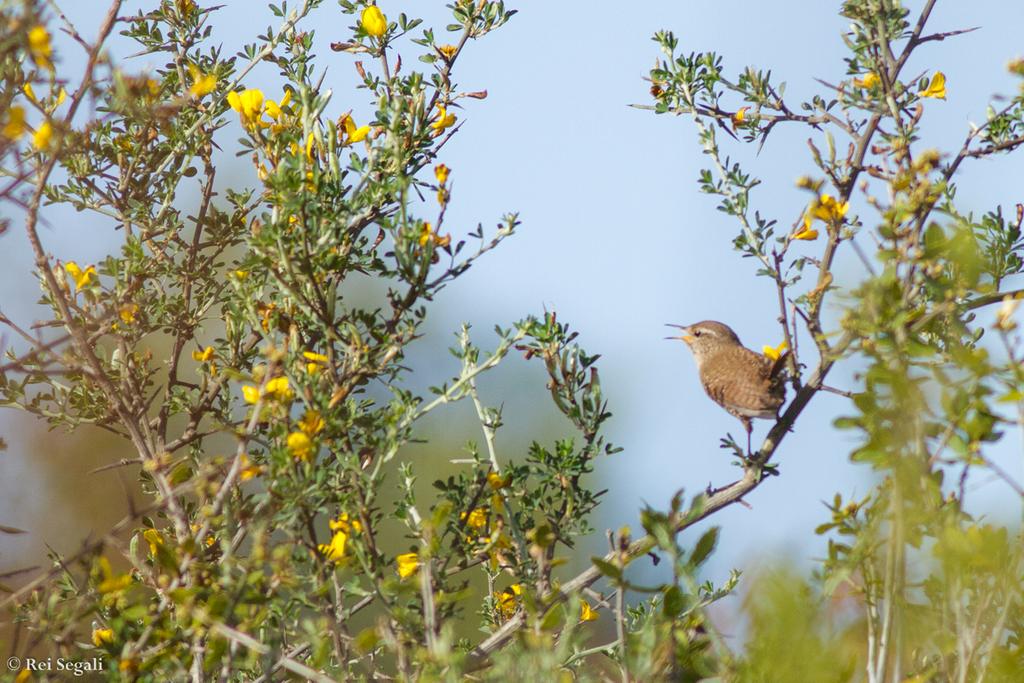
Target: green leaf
column 1014, row 396
column 553, row 620
column 704, row 546
column 674, row 602
column 607, row 568
column 366, row 640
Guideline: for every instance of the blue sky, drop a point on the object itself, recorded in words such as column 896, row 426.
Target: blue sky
column 616, row 236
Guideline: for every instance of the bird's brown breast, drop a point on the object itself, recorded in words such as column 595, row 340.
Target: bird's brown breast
column 742, row 382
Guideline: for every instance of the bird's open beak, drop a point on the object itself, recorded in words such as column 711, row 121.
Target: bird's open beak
column 686, row 337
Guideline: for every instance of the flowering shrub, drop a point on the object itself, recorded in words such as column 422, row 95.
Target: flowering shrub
column 936, row 592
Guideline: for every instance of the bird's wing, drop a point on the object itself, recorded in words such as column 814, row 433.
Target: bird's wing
column 741, row 381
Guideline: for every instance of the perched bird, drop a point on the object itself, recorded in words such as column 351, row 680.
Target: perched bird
column 744, row 382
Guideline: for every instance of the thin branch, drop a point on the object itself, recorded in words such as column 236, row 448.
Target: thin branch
column 947, row 34
column 989, row 299
column 620, row 612
column 452, row 393
column 839, row 392
column 256, row 646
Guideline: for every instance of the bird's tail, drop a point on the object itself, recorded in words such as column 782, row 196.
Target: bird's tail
column 779, row 365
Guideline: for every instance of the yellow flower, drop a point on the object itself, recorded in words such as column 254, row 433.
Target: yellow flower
column 81, row 277
column 342, row 528
column 507, row 601
column 441, row 173
column 250, row 393
column 806, row 234
column 359, row 134
column 443, row 120
column 774, row 352
column 300, row 446
column 315, row 361
column 442, row 196
column 101, row 636
column 266, row 311
column 936, row 88
column 826, row 208
column 312, row 423
column 427, row 235
column 248, row 470
column 127, row 313
column 39, row 46
column 310, row 141
column 62, row 95
column 110, row 582
column 276, row 111
column 374, row 22
column 335, row 550
column 249, row 105
column 447, row 51
column 204, row 355
column 29, row 92
column 43, row 136
column 407, row 563
column 587, row 613
column 241, row 274
column 497, row 481
column 209, row 540
column 154, row 539
column 273, row 108
column 344, row 523
column 739, row 116
column 351, row 133
column 869, row 81
column 477, row 519
column 202, row 84
column 278, row 388
column 14, row 125
column 829, row 209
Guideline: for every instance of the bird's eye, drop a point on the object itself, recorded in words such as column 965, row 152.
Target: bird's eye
column 696, row 333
